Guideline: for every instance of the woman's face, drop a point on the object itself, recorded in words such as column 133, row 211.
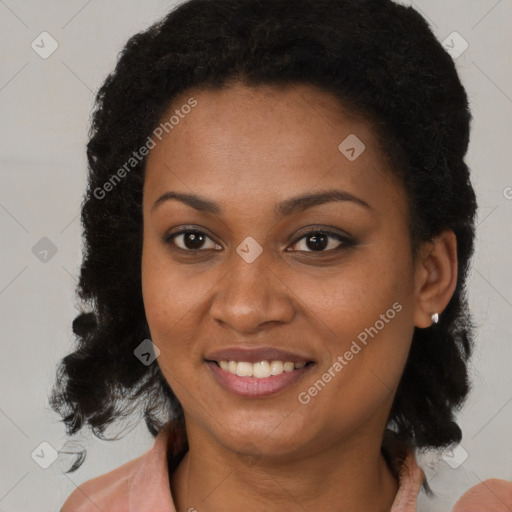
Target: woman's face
column 263, row 276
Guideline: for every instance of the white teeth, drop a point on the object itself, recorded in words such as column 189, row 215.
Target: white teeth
column 276, row 367
column 261, row 369
column 244, row 369
column 289, row 367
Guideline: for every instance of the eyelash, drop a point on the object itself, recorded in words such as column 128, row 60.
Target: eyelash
column 346, row 242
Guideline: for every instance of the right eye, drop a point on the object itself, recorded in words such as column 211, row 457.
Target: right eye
column 189, row 240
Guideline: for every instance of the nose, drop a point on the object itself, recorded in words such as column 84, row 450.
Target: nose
column 252, row 295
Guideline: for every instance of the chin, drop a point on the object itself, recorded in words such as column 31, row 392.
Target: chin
column 261, row 434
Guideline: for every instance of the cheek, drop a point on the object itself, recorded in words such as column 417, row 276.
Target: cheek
column 365, row 313
column 354, row 295
column 174, row 302
column 159, row 290
column 171, row 310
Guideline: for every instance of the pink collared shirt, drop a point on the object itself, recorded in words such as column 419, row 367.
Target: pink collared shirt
column 142, row 485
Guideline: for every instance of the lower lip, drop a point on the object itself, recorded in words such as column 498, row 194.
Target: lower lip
column 252, row 387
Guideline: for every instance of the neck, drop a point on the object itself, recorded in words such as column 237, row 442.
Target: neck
column 346, row 477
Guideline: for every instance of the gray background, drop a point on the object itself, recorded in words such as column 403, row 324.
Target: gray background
column 45, row 106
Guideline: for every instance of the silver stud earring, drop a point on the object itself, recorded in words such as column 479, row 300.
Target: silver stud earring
column 435, row 318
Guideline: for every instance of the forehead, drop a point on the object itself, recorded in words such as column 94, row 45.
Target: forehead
column 249, row 142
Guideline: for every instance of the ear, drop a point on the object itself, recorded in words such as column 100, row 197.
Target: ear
column 435, row 277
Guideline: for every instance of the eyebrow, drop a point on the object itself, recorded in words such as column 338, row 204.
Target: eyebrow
column 288, row 207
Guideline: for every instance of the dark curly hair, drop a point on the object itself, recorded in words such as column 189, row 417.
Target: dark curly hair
column 383, row 64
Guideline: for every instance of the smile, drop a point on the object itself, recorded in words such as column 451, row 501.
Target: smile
column 261, row 369
column 258, row 380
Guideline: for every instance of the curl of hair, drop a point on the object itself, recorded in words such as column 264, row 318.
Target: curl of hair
column 382, row 63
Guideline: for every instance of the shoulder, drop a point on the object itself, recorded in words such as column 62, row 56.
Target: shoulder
column 141, row 484
column 106, row 492
column 492, row 495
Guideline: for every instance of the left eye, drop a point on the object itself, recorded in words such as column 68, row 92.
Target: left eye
column 317, row 241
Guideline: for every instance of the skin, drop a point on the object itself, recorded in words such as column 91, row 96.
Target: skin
column 247, row 149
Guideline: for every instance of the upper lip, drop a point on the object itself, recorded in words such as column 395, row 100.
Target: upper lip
column 254, row 355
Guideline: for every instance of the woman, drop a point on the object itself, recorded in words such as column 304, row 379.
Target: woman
column 278, row 228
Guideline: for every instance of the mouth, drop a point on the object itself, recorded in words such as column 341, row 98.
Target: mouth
column 261, row 369
column 257, row 373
